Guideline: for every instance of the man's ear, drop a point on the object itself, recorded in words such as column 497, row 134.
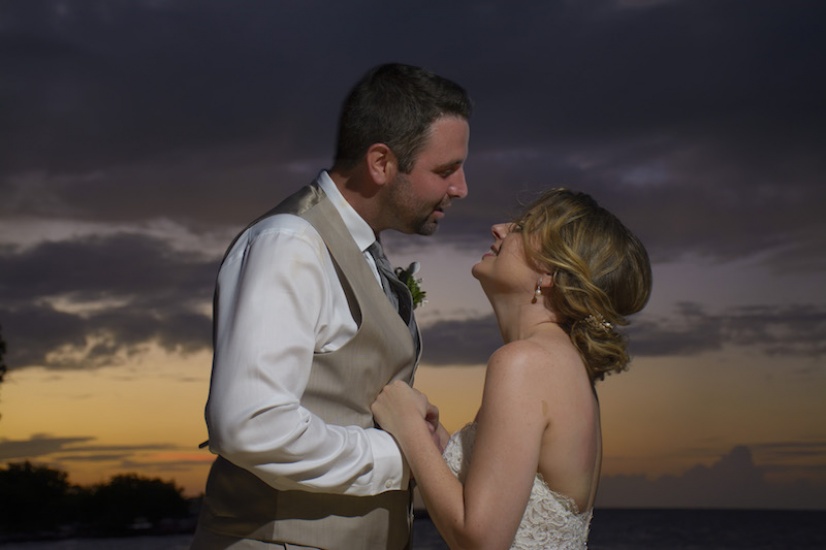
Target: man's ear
column 381, row 163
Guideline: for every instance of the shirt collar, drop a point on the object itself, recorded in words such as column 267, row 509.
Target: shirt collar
column 359, row 229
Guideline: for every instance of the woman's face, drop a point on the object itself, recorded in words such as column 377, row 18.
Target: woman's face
column 505, row 267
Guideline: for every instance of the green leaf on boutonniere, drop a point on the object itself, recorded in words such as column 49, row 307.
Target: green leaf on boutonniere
column 413, row 284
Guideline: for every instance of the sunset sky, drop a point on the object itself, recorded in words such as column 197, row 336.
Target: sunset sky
column 137, row 137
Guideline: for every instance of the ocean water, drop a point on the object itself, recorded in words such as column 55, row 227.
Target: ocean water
column 610, row 530
column 614, row 529
column 708, row 530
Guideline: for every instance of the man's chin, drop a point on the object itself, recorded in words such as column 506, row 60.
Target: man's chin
column 428, row 228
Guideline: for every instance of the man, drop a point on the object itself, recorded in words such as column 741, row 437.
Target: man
column 305, row 335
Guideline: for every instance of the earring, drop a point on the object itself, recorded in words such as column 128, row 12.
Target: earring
column 538, row 292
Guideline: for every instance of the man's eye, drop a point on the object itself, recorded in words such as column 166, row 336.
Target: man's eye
column 517, row 227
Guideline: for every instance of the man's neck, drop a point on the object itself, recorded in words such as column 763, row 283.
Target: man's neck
column 359, row 193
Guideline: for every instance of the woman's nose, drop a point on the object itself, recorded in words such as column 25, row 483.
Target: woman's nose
column 499, row 230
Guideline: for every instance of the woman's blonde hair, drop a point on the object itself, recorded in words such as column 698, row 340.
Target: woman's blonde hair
column 600, row 270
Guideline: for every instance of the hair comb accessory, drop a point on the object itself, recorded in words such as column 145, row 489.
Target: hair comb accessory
column 598, row 322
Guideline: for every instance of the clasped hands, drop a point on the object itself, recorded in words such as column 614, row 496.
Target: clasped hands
column 400, row 409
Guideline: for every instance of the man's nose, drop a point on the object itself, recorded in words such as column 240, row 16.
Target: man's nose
column 458, row 185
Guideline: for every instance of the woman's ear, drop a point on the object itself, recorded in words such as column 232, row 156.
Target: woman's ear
column 546, row 281
column 381, row 163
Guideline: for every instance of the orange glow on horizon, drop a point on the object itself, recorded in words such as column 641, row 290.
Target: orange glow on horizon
column 146, row 417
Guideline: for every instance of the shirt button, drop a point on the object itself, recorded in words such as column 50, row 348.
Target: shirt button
column 388, row 484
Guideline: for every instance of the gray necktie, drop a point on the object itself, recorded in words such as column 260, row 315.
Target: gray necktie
column 396, row 291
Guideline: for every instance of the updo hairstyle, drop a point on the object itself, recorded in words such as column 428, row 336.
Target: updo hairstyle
column 600, row 270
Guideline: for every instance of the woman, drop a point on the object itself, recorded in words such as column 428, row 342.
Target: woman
column 560, row 279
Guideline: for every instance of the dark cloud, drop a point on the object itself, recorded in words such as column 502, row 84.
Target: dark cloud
column 788, row 331
column 735, row 480
column 83, row 303
column 37, row 445
column 93, row 301
column 70, row 448
column 66, row 450
column 791, row 452
column 460, row 342
column 697, row 121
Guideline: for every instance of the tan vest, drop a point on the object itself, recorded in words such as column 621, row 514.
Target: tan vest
column 341, row 388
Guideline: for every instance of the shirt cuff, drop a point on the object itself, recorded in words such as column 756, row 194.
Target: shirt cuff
column 391, row 472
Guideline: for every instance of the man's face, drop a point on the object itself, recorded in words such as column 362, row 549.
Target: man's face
column 417, row 201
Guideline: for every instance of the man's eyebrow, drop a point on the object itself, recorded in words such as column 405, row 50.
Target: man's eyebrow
column 450, row 164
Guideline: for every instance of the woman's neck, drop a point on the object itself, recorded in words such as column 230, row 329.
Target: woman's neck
column 519, row 319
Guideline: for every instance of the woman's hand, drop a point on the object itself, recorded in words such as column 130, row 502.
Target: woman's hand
column 400, row 409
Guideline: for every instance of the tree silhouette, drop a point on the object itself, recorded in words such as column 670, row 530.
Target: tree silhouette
column 34, row 498
column 128, row 497
column 40, row 501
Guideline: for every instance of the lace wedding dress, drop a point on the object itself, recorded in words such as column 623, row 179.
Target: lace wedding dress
column 551, row 520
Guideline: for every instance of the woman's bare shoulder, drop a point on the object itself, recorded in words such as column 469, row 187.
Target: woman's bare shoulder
column 517, row 355
column 535, row 353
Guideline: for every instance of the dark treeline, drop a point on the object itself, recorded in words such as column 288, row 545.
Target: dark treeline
column 38, row 501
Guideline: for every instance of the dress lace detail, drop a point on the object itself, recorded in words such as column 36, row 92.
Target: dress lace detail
column 551, row 520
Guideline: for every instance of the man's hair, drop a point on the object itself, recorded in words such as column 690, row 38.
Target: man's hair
column 396, row 104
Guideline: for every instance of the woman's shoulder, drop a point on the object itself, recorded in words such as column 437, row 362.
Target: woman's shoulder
column 520, row 364
column 518, row 354
column 540, row 368
column 535, row 353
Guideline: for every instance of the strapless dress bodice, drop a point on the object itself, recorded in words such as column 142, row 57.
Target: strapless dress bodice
column 551, row 520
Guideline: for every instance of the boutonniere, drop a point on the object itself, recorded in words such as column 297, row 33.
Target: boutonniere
column 412, row 283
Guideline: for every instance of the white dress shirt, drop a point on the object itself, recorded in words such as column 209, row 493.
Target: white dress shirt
column 279, row 300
